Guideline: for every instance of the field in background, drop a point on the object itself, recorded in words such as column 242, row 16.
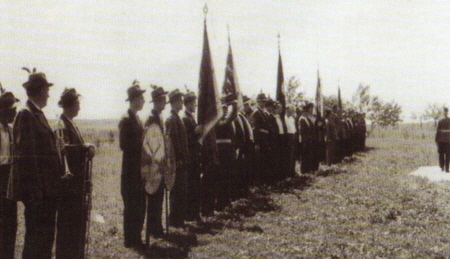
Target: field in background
column 368, row 206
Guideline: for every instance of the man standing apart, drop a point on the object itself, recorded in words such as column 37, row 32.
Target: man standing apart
column 177, row 133
column 8, row 208
column 36, row 172
column 72, row 209
column 132, row 190
column 443, row 141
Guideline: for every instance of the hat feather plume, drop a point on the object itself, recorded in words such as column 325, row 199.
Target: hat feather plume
column 153, row 86
column 34, row 70
column 26, row 69
column 135, row 82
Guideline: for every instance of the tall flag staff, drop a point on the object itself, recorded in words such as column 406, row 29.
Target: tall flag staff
column 230, row 82
column 319, row 97
column 209, row 106
column 280, row 96
column 339, row 99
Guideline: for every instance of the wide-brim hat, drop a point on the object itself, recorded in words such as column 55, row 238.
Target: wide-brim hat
column 36, row 80
column 8, row 101
column 246, row 99
column 189, row 97
column 261, row 97
column 134, row 91
column 69, row 97
column 157, row 93
column 175, row 94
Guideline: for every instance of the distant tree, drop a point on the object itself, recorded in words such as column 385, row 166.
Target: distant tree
column 362, row 99
column 292, row 96
column 433, row 111
column 385, row 114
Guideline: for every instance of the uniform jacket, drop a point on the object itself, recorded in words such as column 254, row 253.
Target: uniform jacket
column 260, row 127
column 192, row 138
column 306, row 129
column 177, row 132
column 443, row 131
column 130, row 141
column 36, row 169
column 225, row 135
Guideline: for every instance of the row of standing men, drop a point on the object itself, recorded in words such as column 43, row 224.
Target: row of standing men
column 247, row 147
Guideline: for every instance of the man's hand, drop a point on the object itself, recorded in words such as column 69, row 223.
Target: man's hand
column 91, row 150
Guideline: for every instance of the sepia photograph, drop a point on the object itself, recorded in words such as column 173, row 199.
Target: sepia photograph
column 224, row 129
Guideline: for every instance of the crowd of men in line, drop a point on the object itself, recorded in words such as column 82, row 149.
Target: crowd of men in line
column 45, row 169
column 253, row 145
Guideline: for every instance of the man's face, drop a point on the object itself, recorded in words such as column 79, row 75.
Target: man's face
column 160, row 104
column 44, row 95
column 191, row 106
column 261, row 104
column 177, row 105
column 139, row 102
column 247, row 107
column 11, row 114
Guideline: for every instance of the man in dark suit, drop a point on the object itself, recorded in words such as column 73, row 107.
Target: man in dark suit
column 261, row 134
column 73, row 210
column 154, row 156
column 8, row 208
column 307, row 130
column 132, row 190
column 193, row 180
column 177, row 132
column 443, row 141
column 36, row 172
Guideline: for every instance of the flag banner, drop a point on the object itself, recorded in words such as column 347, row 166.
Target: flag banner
column 319, row 98
column 231, row 83
column 209, row 107
column 339, row 99
column 281, row 97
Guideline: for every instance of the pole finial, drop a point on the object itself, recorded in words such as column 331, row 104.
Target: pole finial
column 205, row 9
column 228, row 29
column 279, row 37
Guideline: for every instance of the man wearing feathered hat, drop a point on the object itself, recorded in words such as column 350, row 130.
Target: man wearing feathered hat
column 261, row 134
column 177, row 133
column 8, row 208
column 73, row 210
column 154, row 164
column 194, row 148
column 36, row 169
column 131, row 133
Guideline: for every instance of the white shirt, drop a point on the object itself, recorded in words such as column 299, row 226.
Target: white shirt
column 279, row 123
column 5, row 146
column 290, row 124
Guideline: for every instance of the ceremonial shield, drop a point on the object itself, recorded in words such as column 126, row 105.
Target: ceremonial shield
column 153, row 164
column 169, row 173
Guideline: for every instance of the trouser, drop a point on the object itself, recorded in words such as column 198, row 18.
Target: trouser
column 209, row 188
column 290, row 156
column 71, row 224
column 133, row 216
column 306, row 165
column 178, row 198
column 154, row 213
column 444, row 156
column 331, row 153
column 40, row 219
column 227, row 175
column 193, row 192
column 8, row 217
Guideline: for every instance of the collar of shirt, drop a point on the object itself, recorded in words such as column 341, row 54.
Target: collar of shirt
column 35, row 105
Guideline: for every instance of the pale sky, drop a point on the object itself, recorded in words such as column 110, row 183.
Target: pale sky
column 401, row 48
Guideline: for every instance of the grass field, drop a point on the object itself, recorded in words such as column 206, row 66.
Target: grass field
column 366, row 207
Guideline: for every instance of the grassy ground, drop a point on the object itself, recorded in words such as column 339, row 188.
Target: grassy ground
column 366, row 207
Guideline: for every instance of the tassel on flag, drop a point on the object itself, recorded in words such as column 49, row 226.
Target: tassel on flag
column 231, row 83
column 209, row 107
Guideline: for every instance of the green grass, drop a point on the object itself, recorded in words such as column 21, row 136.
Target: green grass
column 365, row 208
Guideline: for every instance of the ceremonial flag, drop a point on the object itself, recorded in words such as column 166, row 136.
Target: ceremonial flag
column 339, row 99
column 209, row 107
column 231, row 83
column 280, row 83
column 319, row 97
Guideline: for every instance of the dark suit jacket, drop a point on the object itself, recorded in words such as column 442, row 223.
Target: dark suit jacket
column 177, row 133
column 130, row 140
column 192, row 138
column 260, row 128
column 36, row 169
column 443, row 131
column 76, row 156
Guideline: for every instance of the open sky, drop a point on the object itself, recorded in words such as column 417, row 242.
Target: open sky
column 400, row 48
